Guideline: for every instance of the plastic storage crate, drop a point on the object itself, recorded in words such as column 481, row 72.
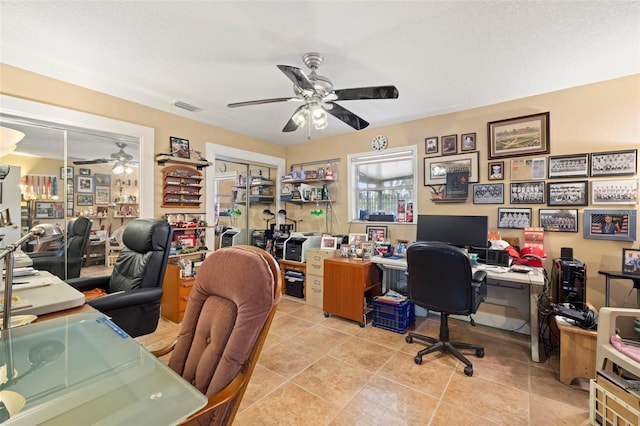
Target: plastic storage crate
column 396, row 317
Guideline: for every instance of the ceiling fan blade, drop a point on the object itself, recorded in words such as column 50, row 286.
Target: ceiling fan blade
column 297, row 76
column 375, row 92
column 291, row 125
column 261, row 101
column 347, row 116
column 96, row 161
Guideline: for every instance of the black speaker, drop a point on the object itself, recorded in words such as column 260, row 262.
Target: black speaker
column 566, row 253
column 569, row 282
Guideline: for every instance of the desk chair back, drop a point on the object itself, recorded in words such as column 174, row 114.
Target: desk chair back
column 439, row 278
column 226, row 322
column 78, row 231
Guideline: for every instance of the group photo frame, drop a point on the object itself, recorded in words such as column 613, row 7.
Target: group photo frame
column 519, row 136
column 436, row 168
column 84, row 200
column 574, row 193
column 488, row 193
column 618, row 192
column 610, row 224
column 514, row 218
column 558, row 220
column 614, row 163
column 568, row 166
column 527, row 192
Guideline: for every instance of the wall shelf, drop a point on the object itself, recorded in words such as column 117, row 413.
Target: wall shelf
column 448, row 200
column 161, row 159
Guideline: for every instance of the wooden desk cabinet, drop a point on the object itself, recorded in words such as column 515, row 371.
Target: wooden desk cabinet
column 290, row 265
column 347, row 283
column 577, row 352
column 175, row 293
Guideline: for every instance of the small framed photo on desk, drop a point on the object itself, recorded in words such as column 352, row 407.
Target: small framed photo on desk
column 631, row 261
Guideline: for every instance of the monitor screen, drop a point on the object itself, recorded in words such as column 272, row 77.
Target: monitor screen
column 460, row 231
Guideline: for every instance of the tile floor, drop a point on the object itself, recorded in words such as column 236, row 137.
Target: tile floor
column 328, row 371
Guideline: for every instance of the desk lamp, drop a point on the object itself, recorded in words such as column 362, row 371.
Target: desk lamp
column 270, row 215
column 43, row 232
column 283, row 212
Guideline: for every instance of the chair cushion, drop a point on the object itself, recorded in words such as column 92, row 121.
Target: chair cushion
column 228, row 306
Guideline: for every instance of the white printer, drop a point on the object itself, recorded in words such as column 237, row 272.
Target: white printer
column 234, row 236
column 296, row 246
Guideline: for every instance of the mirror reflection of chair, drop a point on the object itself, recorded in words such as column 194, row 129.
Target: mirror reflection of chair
column 78, row 230
column 231, row 306
column 440, row 279
column 134, row 288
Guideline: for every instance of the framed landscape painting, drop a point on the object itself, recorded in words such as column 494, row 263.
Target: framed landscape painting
column 519, row 136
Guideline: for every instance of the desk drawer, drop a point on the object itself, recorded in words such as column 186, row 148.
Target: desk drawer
column 314, row 291
column 315, row 260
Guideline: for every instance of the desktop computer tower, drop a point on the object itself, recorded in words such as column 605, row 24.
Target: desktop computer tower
column 569, row 282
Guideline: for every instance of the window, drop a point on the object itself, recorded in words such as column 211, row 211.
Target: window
column 383, row 185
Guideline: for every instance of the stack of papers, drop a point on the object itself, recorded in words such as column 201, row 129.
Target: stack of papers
column 391, row 297
column 22, row 272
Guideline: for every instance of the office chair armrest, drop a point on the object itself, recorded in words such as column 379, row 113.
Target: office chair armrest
column 125, row 299
column 479, row 283
column 42, row 254
column 89, row 283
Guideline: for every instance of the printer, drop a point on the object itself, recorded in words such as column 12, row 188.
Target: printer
column 296, row 246
column 234, row 236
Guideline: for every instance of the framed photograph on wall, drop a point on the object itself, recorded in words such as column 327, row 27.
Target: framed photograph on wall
column 564, row 166
column 84, row 200
column 614, row 163
column 516, row 137
column 66, row 172
column 528, row 168
column 631, row 261
column 617, row 225
column 527, row 193
column 328, row 243
column 179, row 147
column 103, row 194
column 48, row 210
column 620, row 191
column 568, row 193
column 468, row 142
column 488, row 193
column 436, row 168
column 449, row 144
column 102, row 179
column 85, row 172
column 496, row 170
column 514, row 218
column 431, row 145
column 377, row 234
column 558, row 220
column 84, row 184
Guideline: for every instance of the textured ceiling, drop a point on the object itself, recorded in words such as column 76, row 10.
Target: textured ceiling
column 443, row 56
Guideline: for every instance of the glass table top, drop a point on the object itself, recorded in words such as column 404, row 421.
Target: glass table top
column 82, row 369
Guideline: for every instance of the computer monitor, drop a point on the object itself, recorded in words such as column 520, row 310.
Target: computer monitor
column 460, row 231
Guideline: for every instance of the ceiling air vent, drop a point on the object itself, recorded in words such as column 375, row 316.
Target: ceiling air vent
column 186, row 106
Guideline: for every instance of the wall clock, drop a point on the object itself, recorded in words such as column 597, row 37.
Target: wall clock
column 379, row 143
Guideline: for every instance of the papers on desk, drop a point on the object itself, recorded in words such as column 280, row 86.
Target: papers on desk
column 24, row 283
column 16, row 303
column 492, row 268
column 22, row 272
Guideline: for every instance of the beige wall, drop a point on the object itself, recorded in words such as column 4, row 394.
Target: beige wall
column 596, row 117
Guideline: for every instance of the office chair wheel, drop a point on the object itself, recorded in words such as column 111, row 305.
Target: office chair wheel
column 409, row 339
column 418, row 359
column 480, row 353
column 468, row 371
column 326, row 314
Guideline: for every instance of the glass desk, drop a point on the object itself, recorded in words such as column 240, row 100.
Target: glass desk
column 82, row 369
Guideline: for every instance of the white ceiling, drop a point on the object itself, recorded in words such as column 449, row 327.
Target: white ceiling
column 443, row 56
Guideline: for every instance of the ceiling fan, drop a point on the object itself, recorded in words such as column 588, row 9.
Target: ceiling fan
column 119, row 156
column 319, row 97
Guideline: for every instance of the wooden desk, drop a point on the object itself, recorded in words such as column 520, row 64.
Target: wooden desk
column 577, row 352
column 347, row 282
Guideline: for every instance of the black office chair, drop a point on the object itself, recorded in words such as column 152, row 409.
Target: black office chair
column 78, row 230
column 439, row 279
column 134, row 288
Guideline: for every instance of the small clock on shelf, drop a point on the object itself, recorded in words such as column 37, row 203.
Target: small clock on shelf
column 379, row 143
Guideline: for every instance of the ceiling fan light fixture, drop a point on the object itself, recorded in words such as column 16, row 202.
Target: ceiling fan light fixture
column 128, row 169
column 300, row 117
column 118, row 168
column 319, row 117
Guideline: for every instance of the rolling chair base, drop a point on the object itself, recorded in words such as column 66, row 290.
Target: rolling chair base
column 444, row 345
